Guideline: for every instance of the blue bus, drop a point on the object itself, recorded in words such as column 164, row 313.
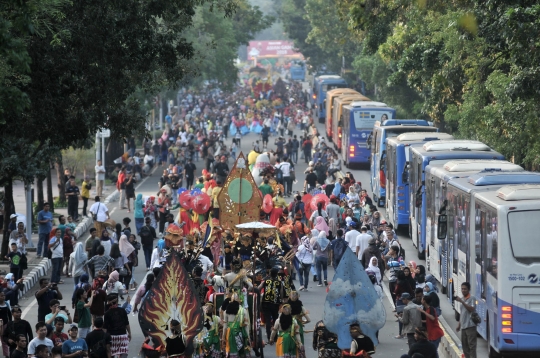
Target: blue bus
column 357, row 122
column 422, row 156
column 388, row 128
column 298, row 71
column 436, row 182
column 323, row 84
column 502, row 261
column 397, row 187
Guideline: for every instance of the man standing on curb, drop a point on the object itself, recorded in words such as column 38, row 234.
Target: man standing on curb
column 466, row 324
column 45, row 221
column 100, row 177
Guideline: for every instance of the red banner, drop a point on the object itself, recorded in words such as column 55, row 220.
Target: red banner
column 266, row 49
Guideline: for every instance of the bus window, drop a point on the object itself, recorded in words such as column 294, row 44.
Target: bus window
column 524, row 245
column 491, row 244
column 366, row 119
column 481, row 245
column 462, row 241
column 452, row 228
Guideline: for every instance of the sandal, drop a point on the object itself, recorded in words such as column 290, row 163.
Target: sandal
column 399, row 337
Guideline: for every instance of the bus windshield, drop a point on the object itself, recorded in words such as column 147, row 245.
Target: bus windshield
column 524, row 244
column 366, row 119
column 327, row 88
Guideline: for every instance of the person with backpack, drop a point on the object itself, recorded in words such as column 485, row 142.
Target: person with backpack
column 148, row 234
column 98, row 341
column 338, row 247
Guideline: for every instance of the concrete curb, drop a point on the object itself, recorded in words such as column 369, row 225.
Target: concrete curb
column 43, row 267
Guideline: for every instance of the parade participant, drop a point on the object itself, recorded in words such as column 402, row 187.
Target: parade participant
column 286, row 329
column 116, row 323
column 237, row 279
column 325, row 342
column 211, row 341
column 175, row 344
column 299, row 312
column 305, row 256
column 235, row 340
column 360, row 343
column 273, row 292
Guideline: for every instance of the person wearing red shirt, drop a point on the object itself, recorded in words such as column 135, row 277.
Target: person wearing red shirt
column 121, row 187
column 434, row 330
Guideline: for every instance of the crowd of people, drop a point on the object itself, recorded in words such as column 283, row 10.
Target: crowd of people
column 313, row 234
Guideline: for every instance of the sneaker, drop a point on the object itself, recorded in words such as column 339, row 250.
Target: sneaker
column 301, row 288
column 325, row 283
column 315, row 279
column 319, row 285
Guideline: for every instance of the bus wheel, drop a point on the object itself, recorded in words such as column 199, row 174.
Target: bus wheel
column 422, row 255
column 380, row 202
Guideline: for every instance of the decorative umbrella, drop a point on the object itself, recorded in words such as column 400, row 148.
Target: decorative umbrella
column 200, row 202
column 268, row 204
column 306, row 199
column 319, row 198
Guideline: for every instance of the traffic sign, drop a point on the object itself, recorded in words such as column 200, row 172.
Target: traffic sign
column 105, row 133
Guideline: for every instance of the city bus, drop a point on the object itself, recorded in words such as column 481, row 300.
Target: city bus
column 328, row 106
column 436, row 182
column 504, row 264
column 387, row 128
column 298, row 71
column 337, row 125
column 459, row 197
column 420, row 158
column 397, row 188
column 358, row 120
column 322, row 85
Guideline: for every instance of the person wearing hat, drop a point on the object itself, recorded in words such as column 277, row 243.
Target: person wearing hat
column 411, row 318
column 75, row 347
column 421, row 345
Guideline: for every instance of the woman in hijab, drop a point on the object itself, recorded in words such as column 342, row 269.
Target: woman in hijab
column 320, row 224
column 375, row 221
column 322, row 246
column 412, row 266
column 332, row 227
column 337, row 189
column 77, row 259
column 305, row 256
column 138, row 212
column 105, row 241
column 410, row 280
column 127, row 249
column 352, row 196
column 429, row 290
column 113, row 284
column 374, row 267
column 157, row 253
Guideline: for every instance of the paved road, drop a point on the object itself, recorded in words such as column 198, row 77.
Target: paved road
column 313, row 299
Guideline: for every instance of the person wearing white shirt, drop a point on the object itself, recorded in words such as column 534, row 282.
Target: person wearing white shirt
column 207, row 265
column 101, row 213
column 287, row 180
column 100, row 177
column 362, row 242
column 350, row 237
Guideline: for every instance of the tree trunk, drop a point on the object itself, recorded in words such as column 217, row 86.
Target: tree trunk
column 61, row 183
column 40, row 198
column 9, row 208
column 50, row 198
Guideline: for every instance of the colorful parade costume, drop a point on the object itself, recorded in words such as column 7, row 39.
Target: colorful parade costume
column 236, row 334
column 288, row 340
column 211, row 341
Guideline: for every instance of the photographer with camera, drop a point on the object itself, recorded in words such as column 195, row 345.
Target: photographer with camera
column 58, row 311
column 45, row 295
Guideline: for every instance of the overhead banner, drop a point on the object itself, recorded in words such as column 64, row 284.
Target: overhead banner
column 269, row 49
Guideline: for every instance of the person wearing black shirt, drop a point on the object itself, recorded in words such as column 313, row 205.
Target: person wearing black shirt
column 117, row 325
column 311, row 181
column 175, row 344
column 222, row 169
column 273, row 291
column 73, row 193
column 97, row 336
column 422, row 345
column 360, row 342
column 46, row 293
column 21, row 344
column 15, row 328
column 189, row 173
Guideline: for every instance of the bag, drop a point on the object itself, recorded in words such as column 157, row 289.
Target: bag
column 475, row 317
column 278, row 173
column 50, row 251
column 94, row 216
column 123, row 271
column 23, row 262
column 99, row 350
column 76, row 317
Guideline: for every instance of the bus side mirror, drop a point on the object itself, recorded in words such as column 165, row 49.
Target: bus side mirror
column 405, row 174
column 442, row 223
column 418, row 198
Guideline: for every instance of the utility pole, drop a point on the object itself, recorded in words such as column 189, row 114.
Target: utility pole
column 28, row 187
